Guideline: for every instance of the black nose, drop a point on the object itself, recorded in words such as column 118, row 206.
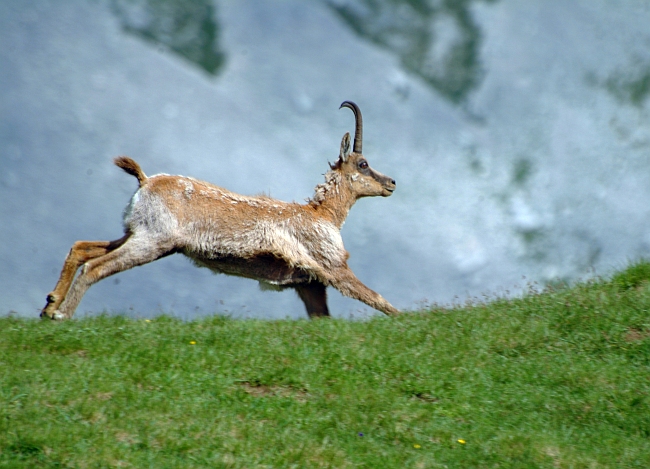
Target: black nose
column 392, row 181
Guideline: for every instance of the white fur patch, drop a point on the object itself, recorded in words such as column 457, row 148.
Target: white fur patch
column 188, row 187
column 148, row 212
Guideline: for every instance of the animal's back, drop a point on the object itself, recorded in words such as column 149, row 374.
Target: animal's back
column 210, row 222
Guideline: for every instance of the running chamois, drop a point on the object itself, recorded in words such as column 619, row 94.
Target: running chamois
column 287, row 245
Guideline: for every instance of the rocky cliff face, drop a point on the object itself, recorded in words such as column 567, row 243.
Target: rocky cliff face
column 518, row 134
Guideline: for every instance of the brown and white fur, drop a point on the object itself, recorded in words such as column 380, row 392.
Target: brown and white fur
column 288, row 245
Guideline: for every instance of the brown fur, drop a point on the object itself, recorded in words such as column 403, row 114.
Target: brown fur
column 131, row 167
column 287, row 245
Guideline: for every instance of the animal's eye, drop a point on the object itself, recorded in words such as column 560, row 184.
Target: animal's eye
column 363, row 164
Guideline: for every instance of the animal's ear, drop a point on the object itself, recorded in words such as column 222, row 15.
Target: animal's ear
column 345, row 147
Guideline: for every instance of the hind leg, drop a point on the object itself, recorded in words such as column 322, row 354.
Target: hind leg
column 81, row 252
column 314, row 296
column 133, row 252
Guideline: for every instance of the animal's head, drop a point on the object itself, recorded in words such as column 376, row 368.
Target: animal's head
column 353, row 166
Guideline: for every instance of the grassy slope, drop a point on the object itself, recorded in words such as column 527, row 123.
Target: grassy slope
column 557, row 380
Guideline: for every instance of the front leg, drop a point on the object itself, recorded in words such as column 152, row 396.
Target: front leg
column 344, row 280
column 315, row 298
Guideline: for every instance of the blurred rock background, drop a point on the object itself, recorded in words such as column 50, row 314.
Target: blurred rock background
column 518, row 133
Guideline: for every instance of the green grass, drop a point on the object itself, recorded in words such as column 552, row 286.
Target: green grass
column 559, row 379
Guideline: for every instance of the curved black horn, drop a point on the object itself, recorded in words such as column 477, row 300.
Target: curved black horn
column 358, row 130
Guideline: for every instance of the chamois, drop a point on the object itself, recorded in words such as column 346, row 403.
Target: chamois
column 287, row 245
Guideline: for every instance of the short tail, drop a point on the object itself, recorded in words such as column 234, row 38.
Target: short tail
column 131, row 167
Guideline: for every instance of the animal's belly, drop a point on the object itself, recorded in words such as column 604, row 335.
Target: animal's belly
column 264, row 267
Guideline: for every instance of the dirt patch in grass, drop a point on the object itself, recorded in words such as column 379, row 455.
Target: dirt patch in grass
column 635, row 335
column 256, row 389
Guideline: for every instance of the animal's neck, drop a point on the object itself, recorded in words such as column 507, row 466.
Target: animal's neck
column 333, row 199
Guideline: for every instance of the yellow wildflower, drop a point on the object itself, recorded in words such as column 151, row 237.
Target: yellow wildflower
column 462, row 442
column 192, row 342
column 416, row 446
